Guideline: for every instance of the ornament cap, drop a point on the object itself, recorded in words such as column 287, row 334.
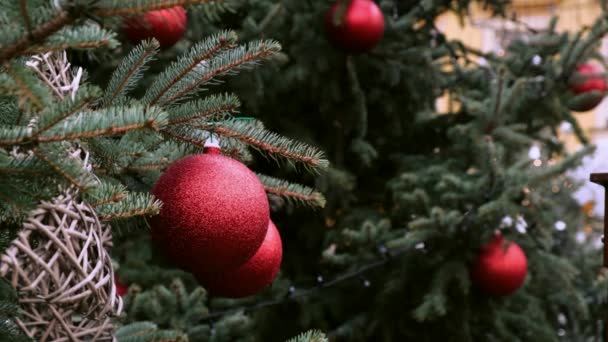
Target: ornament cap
column 212, row 146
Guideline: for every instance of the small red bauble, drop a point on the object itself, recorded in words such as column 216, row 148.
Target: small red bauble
column 500, row 268
column 166, row 25
column 121, row 289
column 215, row 213
column 254, row 275
column 361, row 28
column 588, row 78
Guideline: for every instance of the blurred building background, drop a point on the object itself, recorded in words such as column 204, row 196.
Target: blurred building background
column 493, row 35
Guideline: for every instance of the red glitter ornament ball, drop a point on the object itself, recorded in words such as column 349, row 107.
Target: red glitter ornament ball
column 254, row 275
column 588, row 79
column 215, row 212
column 500, row 268
column 360, row 29
column 166, row 25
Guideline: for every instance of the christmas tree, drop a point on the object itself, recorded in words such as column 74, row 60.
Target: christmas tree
column 438, row 223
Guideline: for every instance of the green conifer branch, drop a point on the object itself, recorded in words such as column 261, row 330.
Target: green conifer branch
column 109, row 154
column 39, row 34
column 253, row 133
column 26, row 164
column 191, row 135
column 14, row 135
column 9, row 310
column 185, row 64
column 292, row 192
column 228, row 62
column 210, row 107
column 10, row 109
column 59, row 111
column 16, row 200
column 106, row 193
column 132, row 204
column 171, row 306
column 107, row 121
column 69, row 168
column 159, row 159
column 147, row 332
column 435, row 302
column 125, row 8
column 25, row 16
column 78, row 38
column 31, row 92
column 310, row 336
column 197, row 137
column 130, row 71
column 236, row 149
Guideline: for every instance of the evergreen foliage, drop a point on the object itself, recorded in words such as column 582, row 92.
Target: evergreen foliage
column 58, row 130
column 413, row 192
column 411, row 195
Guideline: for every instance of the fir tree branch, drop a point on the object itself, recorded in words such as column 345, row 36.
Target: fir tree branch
column 37, row 35
column 30, row 90
column 72, row 169
column 25, row 16
column 132, row 204
column 13, row 196
column 191, row 135
column 78, row 38
column 109, row 154
column 14, row 135
column 209, row 107
column 310, row 336
column 291, row 191
column 130, row 71
column 106, row 193
column 54, row 114
column 126, row 8
column 26, row 164
column 253, row 133
column 201, row 51
column 163, row 156
column 147, row 332
column 225, row 63
column 107, row 121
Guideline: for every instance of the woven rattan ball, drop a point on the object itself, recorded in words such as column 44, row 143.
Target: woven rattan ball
column 62, row 273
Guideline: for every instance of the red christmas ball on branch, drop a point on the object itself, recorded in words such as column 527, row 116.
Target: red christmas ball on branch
column 121, row 289
column 254, row 275
column 358, row 29
column 589, row 84
column 501, row 267
column 166, row 25
column 215, row 212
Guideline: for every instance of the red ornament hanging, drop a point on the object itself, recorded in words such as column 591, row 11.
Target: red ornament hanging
column 589, row 84
column 500, row 268
column 121, row 289
column 358, row 29
column 166, row 25
column 215, row 212
column 254, row 275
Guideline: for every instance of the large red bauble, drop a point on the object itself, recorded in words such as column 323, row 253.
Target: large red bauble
column 254, row 275
column 166, row 25
column 500, row 268
column 361, row 28
column 588, row 78
column 215, row 213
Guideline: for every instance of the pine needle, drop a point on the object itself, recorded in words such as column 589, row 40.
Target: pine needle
column 292, row 192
